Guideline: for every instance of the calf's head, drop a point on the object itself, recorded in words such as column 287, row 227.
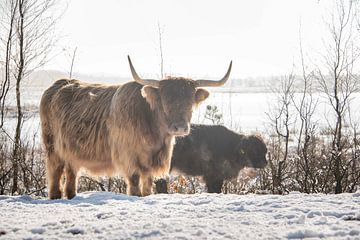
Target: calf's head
column 251, row 151
column 175, row 98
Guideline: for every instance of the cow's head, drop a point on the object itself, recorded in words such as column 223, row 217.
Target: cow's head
column 175, row 98
column 251, row 151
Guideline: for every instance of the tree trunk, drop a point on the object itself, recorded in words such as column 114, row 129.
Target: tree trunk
column 17, row 141
column 19, row 77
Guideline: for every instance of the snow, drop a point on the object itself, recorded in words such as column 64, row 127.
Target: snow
column 104, row 215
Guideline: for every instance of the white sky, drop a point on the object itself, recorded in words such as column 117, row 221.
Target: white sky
column 199, row 37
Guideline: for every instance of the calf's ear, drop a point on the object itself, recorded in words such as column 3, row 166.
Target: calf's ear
column 240, row 150
column 241, row 147
column 151, row 95
column 201, row 95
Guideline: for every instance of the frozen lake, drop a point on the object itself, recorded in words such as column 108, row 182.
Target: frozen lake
column 244, row 112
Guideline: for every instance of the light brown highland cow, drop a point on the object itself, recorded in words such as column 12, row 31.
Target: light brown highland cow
column 120, row 129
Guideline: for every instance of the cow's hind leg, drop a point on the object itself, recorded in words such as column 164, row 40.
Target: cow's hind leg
column 133, row 185
column 71, row 181
column 214, row 185
column 55, row 169
column 146, row 185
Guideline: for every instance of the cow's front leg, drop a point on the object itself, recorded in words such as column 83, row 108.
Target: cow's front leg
column 133, row 185
column 146, row 185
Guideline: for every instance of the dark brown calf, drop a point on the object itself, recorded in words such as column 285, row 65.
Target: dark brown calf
column 216, row 154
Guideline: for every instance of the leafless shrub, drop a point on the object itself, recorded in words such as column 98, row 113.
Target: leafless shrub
column 282, row 121
column 338, row 82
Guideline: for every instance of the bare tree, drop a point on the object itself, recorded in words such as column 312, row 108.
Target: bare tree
column 281, row 120
column 338, row 81
column 72, row 63
column 161, row 31
column 305, row 107
column 9, row 9
column 33, row 23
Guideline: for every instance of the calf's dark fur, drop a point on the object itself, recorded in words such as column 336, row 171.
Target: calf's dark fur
column 216, row 154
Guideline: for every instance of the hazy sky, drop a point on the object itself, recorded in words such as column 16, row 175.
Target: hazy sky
column 199, row 37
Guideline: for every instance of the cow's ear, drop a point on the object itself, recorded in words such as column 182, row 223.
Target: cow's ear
column 201, row 95
column 151, row 95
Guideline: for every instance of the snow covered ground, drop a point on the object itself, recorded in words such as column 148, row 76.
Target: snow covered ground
column 103, row 215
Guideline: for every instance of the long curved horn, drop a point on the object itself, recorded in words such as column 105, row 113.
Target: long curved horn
column 214, row 83
column 149, row 82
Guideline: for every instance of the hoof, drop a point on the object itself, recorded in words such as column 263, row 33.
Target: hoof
column 53, row 196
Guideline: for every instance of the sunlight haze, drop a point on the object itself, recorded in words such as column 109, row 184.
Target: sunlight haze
column 199, row 37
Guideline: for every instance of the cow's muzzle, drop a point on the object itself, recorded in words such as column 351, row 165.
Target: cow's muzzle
column 179, row 128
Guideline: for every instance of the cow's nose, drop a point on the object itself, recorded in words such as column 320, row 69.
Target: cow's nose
column 180, row 128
